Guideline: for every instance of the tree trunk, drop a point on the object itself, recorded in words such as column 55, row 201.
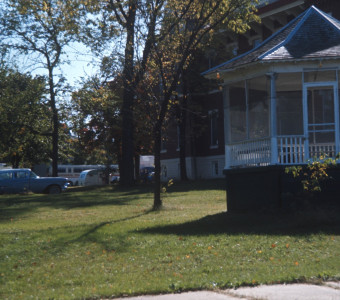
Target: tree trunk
column 15, row 160
column 157, row 201
column 137, row 166
column 127, row 171
column 55, row 125
column 182, row 133
column 182, row 150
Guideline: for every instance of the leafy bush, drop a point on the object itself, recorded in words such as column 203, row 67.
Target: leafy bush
column 314, row 173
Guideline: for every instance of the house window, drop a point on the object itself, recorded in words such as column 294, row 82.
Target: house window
column 256, row 42
column 213, row 119
column 214, row 168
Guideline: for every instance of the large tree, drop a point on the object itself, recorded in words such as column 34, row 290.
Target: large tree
column 159, row 36
column 128, row 26
column 40, row 31
column 24, row 119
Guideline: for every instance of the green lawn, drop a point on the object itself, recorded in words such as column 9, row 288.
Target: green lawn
column 106, row 242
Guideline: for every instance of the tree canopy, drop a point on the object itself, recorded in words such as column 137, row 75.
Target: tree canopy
column 96, row 122
column 24, row 119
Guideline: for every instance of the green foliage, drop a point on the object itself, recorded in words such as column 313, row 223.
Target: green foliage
column 103, row 243
column 313, row 173
column 96, row 123
column 40, row 30
column 167, row 185
column 24, row 119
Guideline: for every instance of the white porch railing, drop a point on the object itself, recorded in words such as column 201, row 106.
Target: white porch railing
column 249, row 153
column 316, row 150
column 290, row 150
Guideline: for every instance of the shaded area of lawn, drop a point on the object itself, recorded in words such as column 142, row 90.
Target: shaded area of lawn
column 14, row 206
column 307, row 222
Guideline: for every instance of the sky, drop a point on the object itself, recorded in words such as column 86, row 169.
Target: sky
column 82, row 64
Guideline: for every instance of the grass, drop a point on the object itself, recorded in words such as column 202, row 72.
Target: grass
column 106, row 242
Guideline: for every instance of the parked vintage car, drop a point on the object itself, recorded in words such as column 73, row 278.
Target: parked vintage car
column 14, row 181
column 91, row 177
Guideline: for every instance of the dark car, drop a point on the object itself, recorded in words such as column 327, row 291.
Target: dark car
column 14, row 181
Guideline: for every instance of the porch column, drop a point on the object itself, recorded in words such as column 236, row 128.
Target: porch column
column 273, row 119
column 336, row 109
column 226, row 110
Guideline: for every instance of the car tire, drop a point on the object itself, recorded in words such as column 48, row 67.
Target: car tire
column 54, row 189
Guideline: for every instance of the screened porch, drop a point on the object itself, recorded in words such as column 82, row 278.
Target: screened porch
column 282, row 118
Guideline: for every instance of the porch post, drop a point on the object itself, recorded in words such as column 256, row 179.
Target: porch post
column 273, row 119
column 247, row 107
column 336, row 109
column 226, row 110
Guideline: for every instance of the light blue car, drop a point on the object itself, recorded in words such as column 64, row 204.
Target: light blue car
column 14, row 181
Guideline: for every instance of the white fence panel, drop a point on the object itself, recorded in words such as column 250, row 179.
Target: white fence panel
column 249, row 153
column 291, row 150
column 316, row 150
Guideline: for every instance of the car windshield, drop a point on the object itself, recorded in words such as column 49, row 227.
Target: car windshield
column 33, row 175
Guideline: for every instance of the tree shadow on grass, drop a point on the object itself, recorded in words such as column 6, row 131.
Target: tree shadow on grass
column 14, row 206
column 197, row 185
column 326, row 221
column 93, row 229
column 178, row 186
